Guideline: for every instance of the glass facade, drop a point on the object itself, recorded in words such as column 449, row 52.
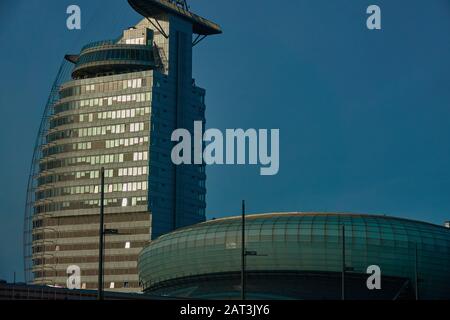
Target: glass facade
column 135, row 54
column 107, row 128
column 117, row 111
column 299, row 244
column 121, row 56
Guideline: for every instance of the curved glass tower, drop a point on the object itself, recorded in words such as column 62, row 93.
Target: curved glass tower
column 118, row 109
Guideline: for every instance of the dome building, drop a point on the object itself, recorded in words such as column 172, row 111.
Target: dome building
column 300, row 256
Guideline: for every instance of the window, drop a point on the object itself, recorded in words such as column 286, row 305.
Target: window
column 111, row 285
column 128, row 245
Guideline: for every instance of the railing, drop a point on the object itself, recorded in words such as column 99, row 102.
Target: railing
column 101, row 43
column 62, row 76
column 98, row 44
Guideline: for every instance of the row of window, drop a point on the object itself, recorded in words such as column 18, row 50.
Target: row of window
column 82, row 246
column 126, row 142
column 97, row 131
column 88, row 160
column 103, row 87
column 121, row 172
column 93, row 160
column 90, row 204
column 92, row 174
column 136, row 127
column 126, row 187
column 135, row 97
column 105, row 101
column 103, row 159
column 139, row 41
column 93, row 285
column 92, row 189
column 82, row 146
column 106, row 115
column 132, row 172
column 112, row 129
column 86, row 117
column 94, row 145
column 142, row 217
column 140, row 156
column 59, row 234
column 88, row 259
column 116, row 54
column 122, row 114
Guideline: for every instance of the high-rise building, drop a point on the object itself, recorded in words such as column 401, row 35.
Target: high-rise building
column 118, row 109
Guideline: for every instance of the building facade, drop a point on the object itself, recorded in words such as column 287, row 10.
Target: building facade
column 301, row 256
column 117, row 111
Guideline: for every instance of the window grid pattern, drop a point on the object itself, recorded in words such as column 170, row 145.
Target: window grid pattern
column 305, row 242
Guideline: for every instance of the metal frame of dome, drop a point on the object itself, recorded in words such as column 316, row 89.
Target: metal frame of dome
column 414, row 254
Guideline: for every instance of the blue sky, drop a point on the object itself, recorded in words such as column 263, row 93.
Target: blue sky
column 364, row 116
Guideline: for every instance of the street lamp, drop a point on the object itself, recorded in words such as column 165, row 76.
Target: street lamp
column 102, row 233
column 244, row 254
column 343, row 264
